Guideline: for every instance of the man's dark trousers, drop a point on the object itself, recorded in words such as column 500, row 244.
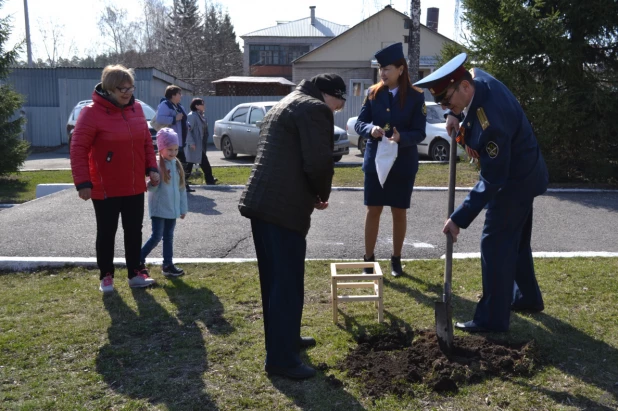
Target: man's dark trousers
column 506, row 258
column 281, row 262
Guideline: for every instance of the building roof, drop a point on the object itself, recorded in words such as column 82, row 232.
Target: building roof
column 387, row 7
column 255, row 80
column 301, row 28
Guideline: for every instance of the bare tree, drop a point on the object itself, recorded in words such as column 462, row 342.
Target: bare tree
column 113, row 25
column 54, row 43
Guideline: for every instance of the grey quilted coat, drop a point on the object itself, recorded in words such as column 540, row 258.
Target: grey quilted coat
column 294, row 163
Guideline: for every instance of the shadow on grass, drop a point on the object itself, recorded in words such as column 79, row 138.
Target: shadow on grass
column 563, row 346
column 319, row 392
column 11, row 187
column 155, row 356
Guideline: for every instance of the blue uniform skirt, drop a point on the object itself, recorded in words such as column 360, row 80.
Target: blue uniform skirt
column 397, row 190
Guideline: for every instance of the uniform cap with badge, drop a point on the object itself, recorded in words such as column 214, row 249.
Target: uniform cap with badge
column 440, row 80
column 389, row 55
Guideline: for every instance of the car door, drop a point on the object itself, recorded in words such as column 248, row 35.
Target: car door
column 236, row 129
column 252, row 135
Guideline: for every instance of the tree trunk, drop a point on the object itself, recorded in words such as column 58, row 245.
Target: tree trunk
column 414, row 39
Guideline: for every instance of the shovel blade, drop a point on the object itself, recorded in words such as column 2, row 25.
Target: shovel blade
column 444, row 326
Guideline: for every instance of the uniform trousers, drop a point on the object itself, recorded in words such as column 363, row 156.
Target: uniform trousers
column 281, row 263
column 506, row 259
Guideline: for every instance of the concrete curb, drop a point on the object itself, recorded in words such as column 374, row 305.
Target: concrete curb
column 32, row 263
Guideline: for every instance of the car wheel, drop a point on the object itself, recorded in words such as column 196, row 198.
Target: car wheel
column 362, row 144
column 337, row 159
column 439, row 150
column 226, row 147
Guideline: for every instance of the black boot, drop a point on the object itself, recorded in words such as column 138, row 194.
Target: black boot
column 396, row 269
column 369, row 260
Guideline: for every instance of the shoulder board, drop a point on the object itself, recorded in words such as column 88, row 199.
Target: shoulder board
column 420, row 90
column 480, row 114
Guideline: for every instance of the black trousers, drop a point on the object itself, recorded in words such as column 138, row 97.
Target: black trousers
column 131, row 211
column 206, row 168
column 281, row 263
column 186, row 167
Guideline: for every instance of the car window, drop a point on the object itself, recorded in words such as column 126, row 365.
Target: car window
column 240, row 114
column 76, row 112
column 266, row 108
column 435, row 114
column 149, row 112
column 256, row 115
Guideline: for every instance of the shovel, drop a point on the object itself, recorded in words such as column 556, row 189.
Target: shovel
column 444, row 309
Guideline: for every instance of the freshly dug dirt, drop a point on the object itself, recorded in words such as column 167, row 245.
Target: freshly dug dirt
column 395, row 360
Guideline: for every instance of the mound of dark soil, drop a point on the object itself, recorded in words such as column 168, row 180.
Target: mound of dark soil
column 392, row 361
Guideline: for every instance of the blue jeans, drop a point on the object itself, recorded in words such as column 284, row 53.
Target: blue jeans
column 281, row 263
column 161, row 228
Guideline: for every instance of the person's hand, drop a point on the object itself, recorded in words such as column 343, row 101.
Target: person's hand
column 377, row 132
column 472, row 153
column 396, row 137
column 452, row 123
column 320, row 205
column 178, row 116
column 451, row 227
column 154, row 178
column 182, row 216
column 192, row 147
column 85, row 193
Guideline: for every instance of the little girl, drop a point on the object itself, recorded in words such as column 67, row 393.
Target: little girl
column 167, row 201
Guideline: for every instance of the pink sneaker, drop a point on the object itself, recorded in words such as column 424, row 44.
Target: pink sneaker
column 141, row 279
column 107, row 284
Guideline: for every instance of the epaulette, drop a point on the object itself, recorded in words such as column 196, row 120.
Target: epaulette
column 420, row 90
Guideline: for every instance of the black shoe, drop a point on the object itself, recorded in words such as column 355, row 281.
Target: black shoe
column 190, row 190
column 306, row 342
column 529, row 309
column 471, row 327
column 371, row 259
column 212, row 182
column 172, row 271
column 396, row 269
column 299, row 372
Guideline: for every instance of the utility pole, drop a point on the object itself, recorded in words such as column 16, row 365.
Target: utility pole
column 28, row 43
column 414, row 39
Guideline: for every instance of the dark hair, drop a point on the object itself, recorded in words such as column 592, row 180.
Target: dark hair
column 171, row 91
column 196, row 102
column 404, row 83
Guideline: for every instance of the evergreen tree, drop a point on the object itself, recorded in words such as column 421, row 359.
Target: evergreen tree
column 560, row 59
column 13, row 150
column 183, row 40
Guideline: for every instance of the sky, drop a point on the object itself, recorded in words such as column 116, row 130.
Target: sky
column 81, row 36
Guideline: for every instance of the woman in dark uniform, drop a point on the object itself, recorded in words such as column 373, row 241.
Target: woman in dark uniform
column 394, row 109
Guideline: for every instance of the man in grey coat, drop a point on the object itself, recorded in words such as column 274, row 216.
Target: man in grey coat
column 291, row 177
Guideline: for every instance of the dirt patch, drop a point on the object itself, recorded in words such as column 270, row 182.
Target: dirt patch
column 397, row 359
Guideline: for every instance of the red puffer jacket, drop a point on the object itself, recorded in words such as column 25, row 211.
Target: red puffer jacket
column 111, row 148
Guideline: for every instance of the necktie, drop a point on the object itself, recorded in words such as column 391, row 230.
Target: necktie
column 390, row 98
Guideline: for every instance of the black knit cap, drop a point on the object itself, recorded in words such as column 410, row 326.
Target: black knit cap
column 330, row 83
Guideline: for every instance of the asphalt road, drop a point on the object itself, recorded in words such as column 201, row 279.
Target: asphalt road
column 59, row 159
column 62, row 225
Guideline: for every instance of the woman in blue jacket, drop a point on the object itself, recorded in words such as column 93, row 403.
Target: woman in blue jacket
column 393, row 109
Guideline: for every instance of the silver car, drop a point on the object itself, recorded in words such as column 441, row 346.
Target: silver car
column 238, row 132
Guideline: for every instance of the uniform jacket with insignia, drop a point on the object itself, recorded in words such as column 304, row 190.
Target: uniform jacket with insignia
column 512, row 167
column 409, row 120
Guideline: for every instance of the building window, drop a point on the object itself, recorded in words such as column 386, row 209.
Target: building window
column 358, row 87
column 274, row 55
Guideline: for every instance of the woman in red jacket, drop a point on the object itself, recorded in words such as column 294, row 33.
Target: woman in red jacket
column 111, row 152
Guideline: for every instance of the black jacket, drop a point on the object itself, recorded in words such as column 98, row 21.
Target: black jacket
column 294, row 163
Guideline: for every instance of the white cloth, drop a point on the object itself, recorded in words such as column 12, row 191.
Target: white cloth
column 385, row 158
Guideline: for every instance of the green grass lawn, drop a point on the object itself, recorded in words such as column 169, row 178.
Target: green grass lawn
column 196, row 342
column 21, row 187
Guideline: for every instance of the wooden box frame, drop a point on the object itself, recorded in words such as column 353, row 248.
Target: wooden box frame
column 374, row 281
